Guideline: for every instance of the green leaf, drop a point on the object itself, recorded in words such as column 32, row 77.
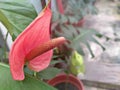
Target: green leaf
column 79, row 49
column 55, row 16
column 53, row 62
column 30, row 83
column 92, row 9
column 63, row 19
column 67, row 31
column 16, row 15
column 77, row 35
column 84, row 37
column 49, row 73
column 73, row 19
column 28, row 71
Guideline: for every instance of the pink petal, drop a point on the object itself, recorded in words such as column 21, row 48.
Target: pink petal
column 41, row 62
column 35, row 34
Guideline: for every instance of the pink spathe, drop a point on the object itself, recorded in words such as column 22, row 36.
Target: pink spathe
column 30, row 46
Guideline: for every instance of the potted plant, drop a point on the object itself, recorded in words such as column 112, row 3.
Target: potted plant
column 67, row 23
column 16, row 16
column 70, row 68
column 66, row 82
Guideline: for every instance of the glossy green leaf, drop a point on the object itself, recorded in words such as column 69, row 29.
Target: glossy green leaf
column 16, row 15
column 30, row 83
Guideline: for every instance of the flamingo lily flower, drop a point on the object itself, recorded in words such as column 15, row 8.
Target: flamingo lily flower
column 34, row 46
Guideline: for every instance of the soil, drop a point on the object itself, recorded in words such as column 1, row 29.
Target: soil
column 66, row 86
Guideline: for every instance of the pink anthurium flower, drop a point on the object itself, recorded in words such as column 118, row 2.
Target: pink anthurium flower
column 34, row 46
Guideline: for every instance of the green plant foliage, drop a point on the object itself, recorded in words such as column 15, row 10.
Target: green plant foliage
column 67, row 24
column 80, row 7
column 2, row 52
column 84, row 37
column 30, row 83
column 53, row 62
column 49, row 73
column 16, row 15
column 74, row 11
column 28, row 71
column 3, row 48
column 89, row 1
column 77, row 35
column 46, row 74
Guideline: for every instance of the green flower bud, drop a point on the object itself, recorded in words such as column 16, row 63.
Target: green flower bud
column 76, row 63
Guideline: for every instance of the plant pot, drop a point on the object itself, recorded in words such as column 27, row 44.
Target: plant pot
column 66, row 82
